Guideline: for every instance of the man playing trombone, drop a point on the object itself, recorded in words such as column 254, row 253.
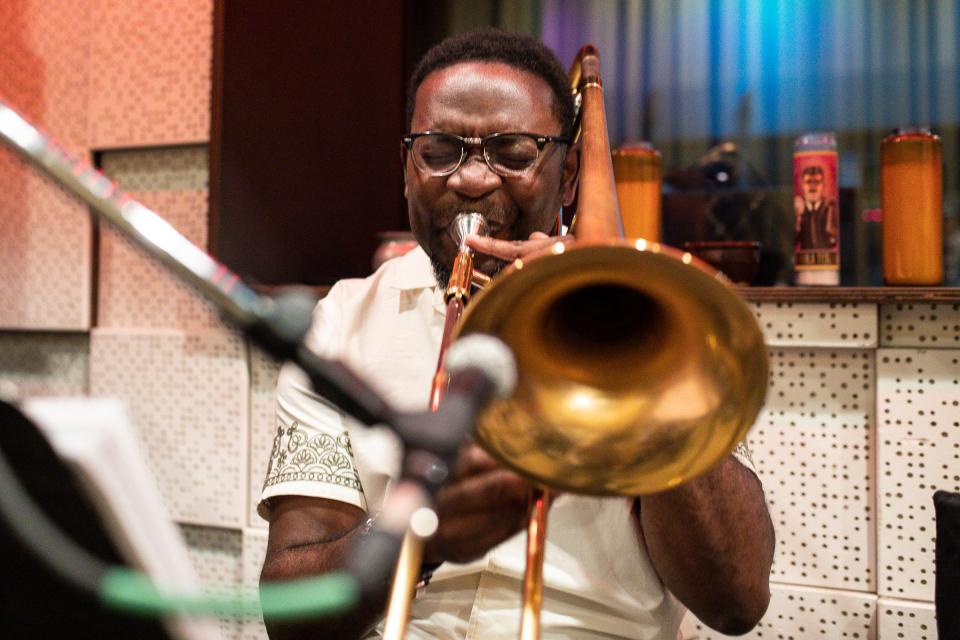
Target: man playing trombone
column 490, row 121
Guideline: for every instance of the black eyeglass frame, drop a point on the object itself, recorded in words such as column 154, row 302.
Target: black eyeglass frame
column 539, row 139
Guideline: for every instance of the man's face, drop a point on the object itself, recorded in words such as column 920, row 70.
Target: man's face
column 813, row 187
column 475, row 99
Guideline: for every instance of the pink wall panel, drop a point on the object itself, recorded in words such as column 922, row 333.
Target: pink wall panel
column 188, row 399
column 135, row 291
column 264, row 371
column 45, row 237
column 150, row 72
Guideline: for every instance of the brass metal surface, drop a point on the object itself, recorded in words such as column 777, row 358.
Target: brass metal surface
column 639, row 368
column 405, row 577
column 533, row 570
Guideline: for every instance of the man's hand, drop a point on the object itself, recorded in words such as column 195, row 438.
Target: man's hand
column 483, row 505
column 510, row 250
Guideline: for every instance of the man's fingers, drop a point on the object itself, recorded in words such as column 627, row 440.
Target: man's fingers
column 499, row 491
column 469, row 536
column 512, row 249
column 473, row 460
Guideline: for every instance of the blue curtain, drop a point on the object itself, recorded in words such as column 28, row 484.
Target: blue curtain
column 710, row 70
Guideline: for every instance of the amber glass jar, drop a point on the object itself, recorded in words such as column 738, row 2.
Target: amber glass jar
column 911, row 177
column 636, row 168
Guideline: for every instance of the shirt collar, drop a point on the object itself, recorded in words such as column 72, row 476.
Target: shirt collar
column 412, row 271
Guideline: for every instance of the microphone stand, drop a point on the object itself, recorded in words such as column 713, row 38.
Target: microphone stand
column 278, row 325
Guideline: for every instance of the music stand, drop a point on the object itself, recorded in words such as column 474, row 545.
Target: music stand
column 35, row 602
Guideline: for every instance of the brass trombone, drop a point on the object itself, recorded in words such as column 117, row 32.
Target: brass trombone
column 639, row 367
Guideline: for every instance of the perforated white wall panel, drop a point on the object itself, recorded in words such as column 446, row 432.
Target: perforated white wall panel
column 918, row 399
column 803, row 613
column 263, row 383
column 254, row 550
column 45, row 237
column 187, row 395
column 905, row 620
column 927, row 326
column 49, row 364
column 814, row 452
column 793, row 324
column 135, row 291
column 150, row 72
column 217, row 556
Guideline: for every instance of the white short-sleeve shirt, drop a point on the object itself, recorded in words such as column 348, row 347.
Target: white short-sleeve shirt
column 598, row 579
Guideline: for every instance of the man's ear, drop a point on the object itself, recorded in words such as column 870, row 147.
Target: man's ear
column 571, row 174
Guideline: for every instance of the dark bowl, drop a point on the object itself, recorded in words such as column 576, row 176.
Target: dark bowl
column 737, row 259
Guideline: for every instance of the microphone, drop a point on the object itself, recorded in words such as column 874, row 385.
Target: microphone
column 481, row 368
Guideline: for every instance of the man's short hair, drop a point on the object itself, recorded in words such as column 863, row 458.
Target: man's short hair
column 813, row 169
column 497, row 45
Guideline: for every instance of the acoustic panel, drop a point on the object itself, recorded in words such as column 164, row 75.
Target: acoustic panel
column 263, row 383
column 790, row 324
column 925, row 326
column 918, row 400
column 804, row 613
column 150, row 72
column 44, row 56
column 166, row 169
column 44, row 364
column 814, row 453
column 906, row 620
column 188, row 398
column 217, row 556
column 135, row 291
column 254, row 551
column 45, row 254
column 45, row 237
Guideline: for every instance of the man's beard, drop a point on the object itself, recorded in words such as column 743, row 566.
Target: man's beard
column 442, row 272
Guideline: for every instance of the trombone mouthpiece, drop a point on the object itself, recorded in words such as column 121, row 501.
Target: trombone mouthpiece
column 465, row 224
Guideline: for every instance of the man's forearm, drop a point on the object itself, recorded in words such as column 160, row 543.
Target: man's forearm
column 310, row 560
column 711, row 541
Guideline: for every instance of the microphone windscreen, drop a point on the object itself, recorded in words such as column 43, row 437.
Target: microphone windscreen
column 488, row 354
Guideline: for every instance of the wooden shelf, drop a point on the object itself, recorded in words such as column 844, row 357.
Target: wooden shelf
column 852, row 294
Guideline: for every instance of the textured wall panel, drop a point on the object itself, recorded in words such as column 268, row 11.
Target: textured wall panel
column 135, row 291
column 803, row 613
column 47, row 364
column 904, row 620
column 918, row 400
column 254, row 550
column 788, row 324
column 187, row 395
column 45, row 237
column 263, row 383
column 172, row 169
column 927, row 326
column 217, row 556
column 150, row 72
column 813, row 449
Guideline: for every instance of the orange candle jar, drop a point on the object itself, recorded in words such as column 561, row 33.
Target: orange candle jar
column 911, row 179
column 637, row 171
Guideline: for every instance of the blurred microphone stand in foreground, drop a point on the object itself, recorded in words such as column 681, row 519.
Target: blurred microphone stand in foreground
column 278, row 325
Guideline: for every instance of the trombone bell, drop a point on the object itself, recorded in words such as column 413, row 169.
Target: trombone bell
column 639, row 368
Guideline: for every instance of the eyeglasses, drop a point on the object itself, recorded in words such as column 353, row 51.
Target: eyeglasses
column 509, row 155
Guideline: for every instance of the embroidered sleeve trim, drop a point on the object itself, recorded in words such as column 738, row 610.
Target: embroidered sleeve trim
column 321, row 458
column 742, row 453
